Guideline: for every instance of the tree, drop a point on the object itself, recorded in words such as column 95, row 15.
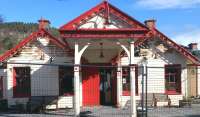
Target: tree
column 1, row 19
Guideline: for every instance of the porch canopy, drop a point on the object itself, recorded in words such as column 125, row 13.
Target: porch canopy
column 106, row 41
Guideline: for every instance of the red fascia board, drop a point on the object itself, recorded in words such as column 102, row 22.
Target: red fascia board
column 192, row 57
column 69, row 25
column 20, row 45
column 132, row 30
column 30, row 38
column 103, row 36
column 177, row 47
column 127, row 16
column 140, row 42
column 96, row 9
column 55, row 40
column 105, row 33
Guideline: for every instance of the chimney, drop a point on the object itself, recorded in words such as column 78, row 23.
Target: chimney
column 151, row 23
column 44, row 24
column 193, row 46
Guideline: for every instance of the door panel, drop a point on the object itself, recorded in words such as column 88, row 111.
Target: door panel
column 114, row 87
column 91, row 82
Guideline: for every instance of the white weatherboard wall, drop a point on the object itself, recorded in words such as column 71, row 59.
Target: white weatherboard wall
column 44, row 81
column 44, row 78
column 3, row 73
column 156, row 74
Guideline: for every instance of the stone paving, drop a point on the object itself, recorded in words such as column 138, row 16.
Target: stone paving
column 193, row 111
column 107, row 111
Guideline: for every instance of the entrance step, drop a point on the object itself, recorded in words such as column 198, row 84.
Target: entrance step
column 196, row 101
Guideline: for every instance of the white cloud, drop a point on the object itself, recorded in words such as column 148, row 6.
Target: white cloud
column 166, row 4
column 188, row 37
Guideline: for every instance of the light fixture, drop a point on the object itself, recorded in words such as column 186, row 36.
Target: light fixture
column 101, row 51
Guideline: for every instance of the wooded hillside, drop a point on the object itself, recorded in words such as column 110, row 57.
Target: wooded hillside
column 12, row 33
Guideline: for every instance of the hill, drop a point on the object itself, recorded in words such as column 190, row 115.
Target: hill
column 13, row 32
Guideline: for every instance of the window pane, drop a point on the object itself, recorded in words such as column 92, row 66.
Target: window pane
column 126, row 85
column 66, row 83
column 126, row 79
column 22, row 79
column 172, row 78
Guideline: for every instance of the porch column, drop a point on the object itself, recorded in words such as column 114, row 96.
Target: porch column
column 132, row 78
column 119, row 75
column 119, row 85
column 76, row 81
column 131, row 55
column 77, row 59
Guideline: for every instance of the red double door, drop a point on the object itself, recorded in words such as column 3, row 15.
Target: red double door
column 91, row 86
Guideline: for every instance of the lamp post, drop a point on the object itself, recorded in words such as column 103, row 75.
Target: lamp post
column 144, row 71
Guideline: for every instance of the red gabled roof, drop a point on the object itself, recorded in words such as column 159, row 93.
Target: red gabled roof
column 177, row 47
column 169, row 42
column 30, row 38
column 98, row 9
column 172, row 44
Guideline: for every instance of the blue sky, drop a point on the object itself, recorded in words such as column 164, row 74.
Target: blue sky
column 179, row 19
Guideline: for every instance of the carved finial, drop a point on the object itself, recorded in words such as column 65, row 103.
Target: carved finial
column 107, row 12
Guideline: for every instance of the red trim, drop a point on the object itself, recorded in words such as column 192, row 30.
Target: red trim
column 68, row 94
column 124, row 30
column 174, row 92
column 130, row 20
column 30, row 38
column 140, row 42
column 14, row 83
column 107, row 12
column 177, row 47
column 100, row 8
column 90, row 13
column 53, row 39
column 126, row 93
column 15, row 93
column 171, row 43
column 105, row 33
column 20, row 45
column 100, row 36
